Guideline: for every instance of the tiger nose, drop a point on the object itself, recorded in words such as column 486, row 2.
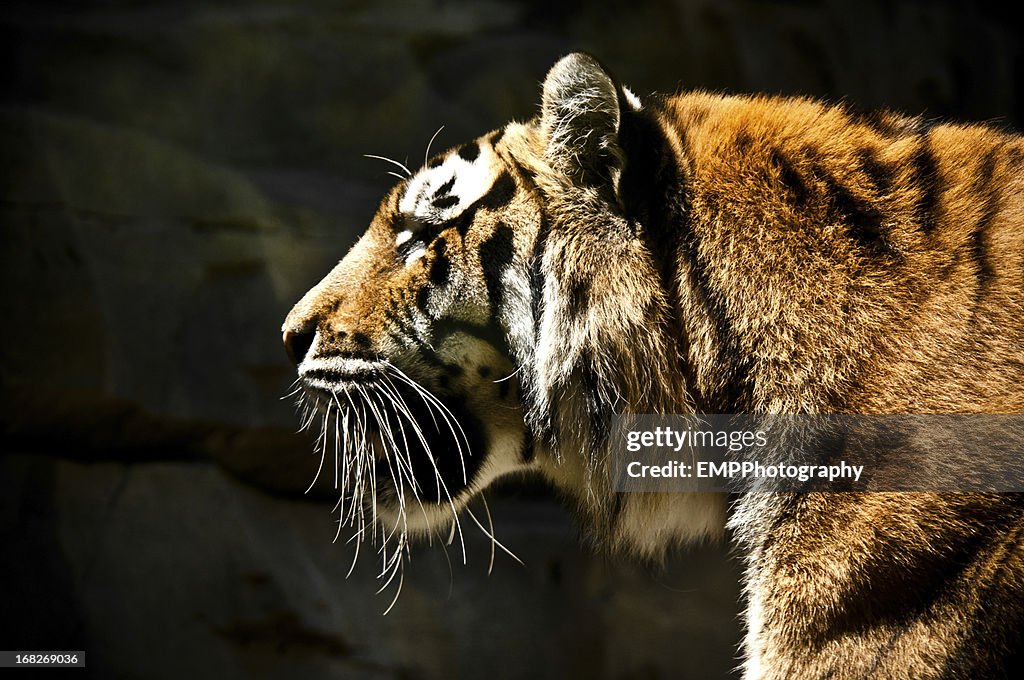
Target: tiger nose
column 297, row 343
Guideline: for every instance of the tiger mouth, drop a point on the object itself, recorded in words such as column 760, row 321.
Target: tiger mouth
column 391, row 439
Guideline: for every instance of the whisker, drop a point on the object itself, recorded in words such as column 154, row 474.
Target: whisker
column 401, row 582
column 442, row 489
column 323, row 450
column 367, row 421
column 408, row 173
column 296, row 389
column 426, row 154
column 437, row 474
column 491, row 536
column 509, row 376
column 450, row 420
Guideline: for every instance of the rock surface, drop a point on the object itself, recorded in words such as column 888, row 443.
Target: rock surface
column 171, row 569
column 176, row 175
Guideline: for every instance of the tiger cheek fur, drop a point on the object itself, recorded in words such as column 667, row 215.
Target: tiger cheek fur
column 696, row 253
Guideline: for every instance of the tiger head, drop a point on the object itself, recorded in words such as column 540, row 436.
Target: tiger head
column 505, row 302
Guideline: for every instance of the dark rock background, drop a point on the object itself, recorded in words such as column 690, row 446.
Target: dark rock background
column 176, row 175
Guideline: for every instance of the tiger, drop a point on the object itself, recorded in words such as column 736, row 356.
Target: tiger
column 695, row 253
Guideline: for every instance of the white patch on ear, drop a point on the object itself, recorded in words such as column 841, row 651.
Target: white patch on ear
column 430, row 201
column 632, row 99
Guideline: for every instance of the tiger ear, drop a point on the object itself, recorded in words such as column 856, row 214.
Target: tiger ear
column 580, row 115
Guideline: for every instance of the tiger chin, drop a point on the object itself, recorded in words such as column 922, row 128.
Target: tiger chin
column 695, row 253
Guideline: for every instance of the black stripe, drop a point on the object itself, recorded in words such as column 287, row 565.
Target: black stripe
column 536, row 273
column 495, row 257
column 500, row 193
column 445, row 202
column 498, row 196
column 329, row 375
column 793, row 184
column 423, row 298
column 979, row 251
column 743, row 142
column 884, row 123
column 444, row 189
column 861, row 215
column 529, row 450
column 541, row 423
column 862, row 218
column 1015, row 157
column 880, row 175
column 733, row 367
column 578, row 297
column 440, row 264
column 926, row 179
column 656, row 194
column 404, row 325
column 599, row 410
column 469, row 151
column 988, row 190
column 998, row 550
